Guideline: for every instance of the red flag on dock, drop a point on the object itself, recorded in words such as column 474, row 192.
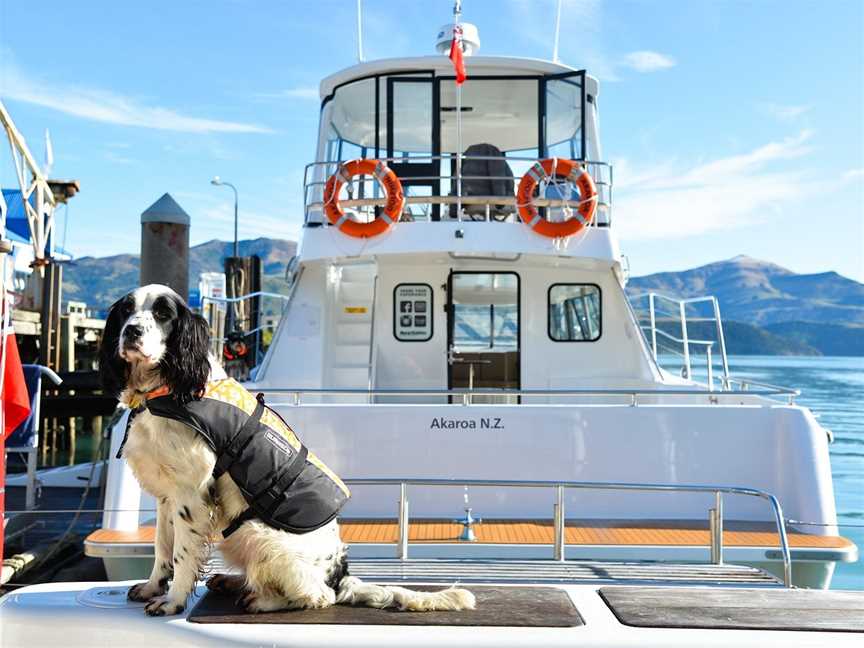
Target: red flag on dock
column 16, row 400
column 456, row 55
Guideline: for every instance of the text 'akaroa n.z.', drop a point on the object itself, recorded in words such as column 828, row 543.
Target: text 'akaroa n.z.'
column 483, row 423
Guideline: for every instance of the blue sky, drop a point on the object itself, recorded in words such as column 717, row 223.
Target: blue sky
column 734, row 127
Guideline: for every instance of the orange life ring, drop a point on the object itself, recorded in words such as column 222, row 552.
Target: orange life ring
column 550, row 168
column 392, row 188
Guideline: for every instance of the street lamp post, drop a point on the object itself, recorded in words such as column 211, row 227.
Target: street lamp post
column 217, row 181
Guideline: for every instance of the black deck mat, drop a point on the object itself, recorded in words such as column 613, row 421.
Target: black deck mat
column 496, row 606
column 737, row 608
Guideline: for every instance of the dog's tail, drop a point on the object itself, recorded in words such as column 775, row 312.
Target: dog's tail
column 353, row 591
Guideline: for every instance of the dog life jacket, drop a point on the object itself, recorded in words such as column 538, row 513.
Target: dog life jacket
column 284, row 484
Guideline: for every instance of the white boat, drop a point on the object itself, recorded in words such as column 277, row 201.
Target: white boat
column 461, row 365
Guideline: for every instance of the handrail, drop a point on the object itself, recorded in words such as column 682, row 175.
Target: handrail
column 715, row 514
column 446, row 156
column 764, row 385
column 681, row 317
column 313, row 186
column 688, row 300
column 510, row 201
column 232, row 300
column 466, row 395
column 217, row 339
column 674, row 339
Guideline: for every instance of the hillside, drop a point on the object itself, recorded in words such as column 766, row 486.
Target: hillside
column 829, row 339
column 766, row 308
column 769, row 309
column 761, row 293
column 101, row 281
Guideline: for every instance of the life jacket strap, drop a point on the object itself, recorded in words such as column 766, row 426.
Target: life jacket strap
column 234, row 448
column 246, row 515
column 267, row 500
column 263, row 503
column 132, row 414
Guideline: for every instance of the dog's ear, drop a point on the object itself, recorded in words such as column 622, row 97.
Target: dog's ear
column 185, row 366
column 114, row 370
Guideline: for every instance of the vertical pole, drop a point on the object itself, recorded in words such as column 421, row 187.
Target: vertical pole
column 236, row 252
column 30, row 491
column 458, row 152
column 710, row 360
column 721, row 339
column 557, row 33
column 715, row 526
column 39, row 240
column 359, row 31
column 403, row 522
column 682, row 309
column 653, row 324
column 457, row 16
column 559, row 523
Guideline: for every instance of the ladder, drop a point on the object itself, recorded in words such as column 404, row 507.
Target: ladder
column 348, row 352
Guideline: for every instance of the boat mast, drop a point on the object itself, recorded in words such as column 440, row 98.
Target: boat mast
column 557, row 32
column 457, row 15
column 360, row 31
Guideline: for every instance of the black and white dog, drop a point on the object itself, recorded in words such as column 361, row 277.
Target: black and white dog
column 152, row 341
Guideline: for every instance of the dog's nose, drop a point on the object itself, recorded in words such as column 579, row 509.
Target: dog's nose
column 133, row 331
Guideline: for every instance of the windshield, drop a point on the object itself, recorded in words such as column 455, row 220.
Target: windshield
column 413, row 120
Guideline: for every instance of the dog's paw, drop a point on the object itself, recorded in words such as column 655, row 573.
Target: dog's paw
column 225, row 583
column 255, row 603
column 143, row 592
column 248, row 601
column 164, row 606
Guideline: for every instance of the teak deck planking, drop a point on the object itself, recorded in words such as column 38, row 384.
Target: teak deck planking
column 669, row 533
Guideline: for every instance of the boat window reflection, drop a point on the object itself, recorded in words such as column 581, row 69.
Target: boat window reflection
column 574, row 313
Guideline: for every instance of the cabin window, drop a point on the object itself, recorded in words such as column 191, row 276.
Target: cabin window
column 412, row 312
column 564, row 118
column 574, row 312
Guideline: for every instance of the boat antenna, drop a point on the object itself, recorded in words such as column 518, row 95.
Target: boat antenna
column 557, row 32
column 360, row 58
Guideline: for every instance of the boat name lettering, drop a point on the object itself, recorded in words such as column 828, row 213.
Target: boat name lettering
column 484, row 423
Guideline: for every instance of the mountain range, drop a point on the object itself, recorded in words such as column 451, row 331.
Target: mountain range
column 100, row 281
column 769, row 309
column 766, row 308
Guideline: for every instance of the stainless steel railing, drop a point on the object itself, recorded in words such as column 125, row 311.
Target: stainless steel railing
column 678, row 316
column 466, row 396
column 715, row 514
column 216, row 316
column 315, row 177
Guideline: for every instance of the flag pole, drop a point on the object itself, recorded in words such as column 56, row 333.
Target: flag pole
column 457, row 15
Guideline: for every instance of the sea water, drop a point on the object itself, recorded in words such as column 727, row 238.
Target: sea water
column 833, row 388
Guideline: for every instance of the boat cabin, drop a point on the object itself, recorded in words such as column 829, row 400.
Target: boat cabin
column 459, row 293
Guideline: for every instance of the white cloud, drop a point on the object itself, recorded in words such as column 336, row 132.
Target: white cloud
column 786, row 113
column 853, row 174
column 216, row 220
column 648, row 61
column 668, row 201
column 108, row 107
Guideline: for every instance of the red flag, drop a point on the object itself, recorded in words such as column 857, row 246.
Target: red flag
column 16, row 400
column 456, row 55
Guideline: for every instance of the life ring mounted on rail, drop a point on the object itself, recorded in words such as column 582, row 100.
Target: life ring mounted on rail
column 392, row 188
column 573, row 171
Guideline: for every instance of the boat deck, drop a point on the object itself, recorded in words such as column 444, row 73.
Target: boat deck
column 586, row 532
column 668, row 533
column 393, row 570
